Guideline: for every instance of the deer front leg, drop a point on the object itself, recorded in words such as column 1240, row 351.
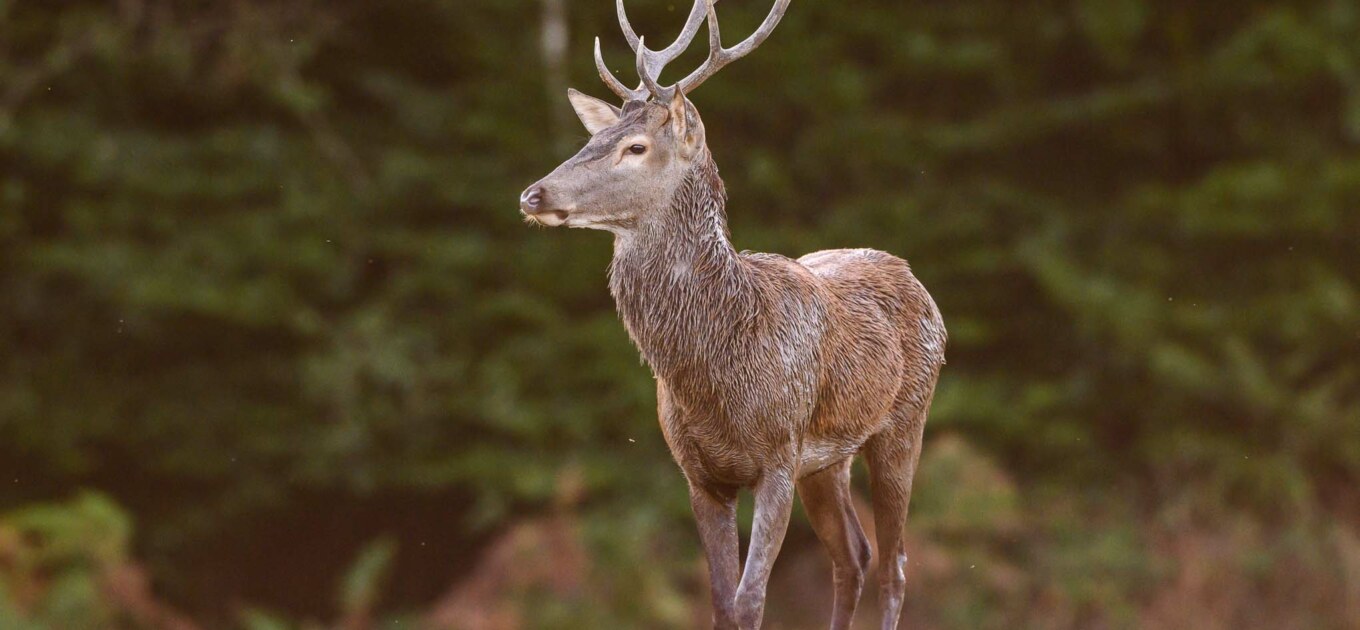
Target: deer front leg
column 774, row 501
column 715, row 511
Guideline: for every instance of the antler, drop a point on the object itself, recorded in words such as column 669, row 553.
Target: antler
column 650, row 63
column 719, row 56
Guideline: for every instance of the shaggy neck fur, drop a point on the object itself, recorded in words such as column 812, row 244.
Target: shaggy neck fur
column 682, row 291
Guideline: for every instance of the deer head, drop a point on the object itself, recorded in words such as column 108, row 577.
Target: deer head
column 638, row 155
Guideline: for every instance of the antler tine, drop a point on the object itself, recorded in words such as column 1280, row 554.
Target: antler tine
column 686, row 36
column 625, row 26
column 719, row 56
column 615, row 85
column 647, row 78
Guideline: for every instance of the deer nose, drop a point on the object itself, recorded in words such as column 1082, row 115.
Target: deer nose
column 531, row 200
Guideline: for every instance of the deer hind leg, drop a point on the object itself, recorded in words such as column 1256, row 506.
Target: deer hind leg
column 892, row 457
column 826, row 496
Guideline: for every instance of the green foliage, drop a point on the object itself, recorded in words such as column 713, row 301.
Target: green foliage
column 365, row 579
column 963, row 493
column 256, row 255
column 55, row 561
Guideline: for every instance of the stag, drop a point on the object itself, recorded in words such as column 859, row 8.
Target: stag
column 771, row 373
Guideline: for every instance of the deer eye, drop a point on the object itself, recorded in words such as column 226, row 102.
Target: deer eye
column 637, row 149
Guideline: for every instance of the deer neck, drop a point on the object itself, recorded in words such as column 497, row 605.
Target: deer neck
column 680, row 287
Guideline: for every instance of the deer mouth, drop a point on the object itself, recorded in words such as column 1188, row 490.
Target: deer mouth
column 550, row 218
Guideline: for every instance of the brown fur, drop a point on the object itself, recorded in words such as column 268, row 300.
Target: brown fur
column 771, row 373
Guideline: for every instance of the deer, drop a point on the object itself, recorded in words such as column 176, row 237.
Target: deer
column 771, row 373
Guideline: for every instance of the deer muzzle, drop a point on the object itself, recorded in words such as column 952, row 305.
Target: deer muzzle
column 534, row 206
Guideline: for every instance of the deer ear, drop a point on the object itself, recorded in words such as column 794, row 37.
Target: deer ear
column 594, row 113
column 679, row 115
column 684, row 122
